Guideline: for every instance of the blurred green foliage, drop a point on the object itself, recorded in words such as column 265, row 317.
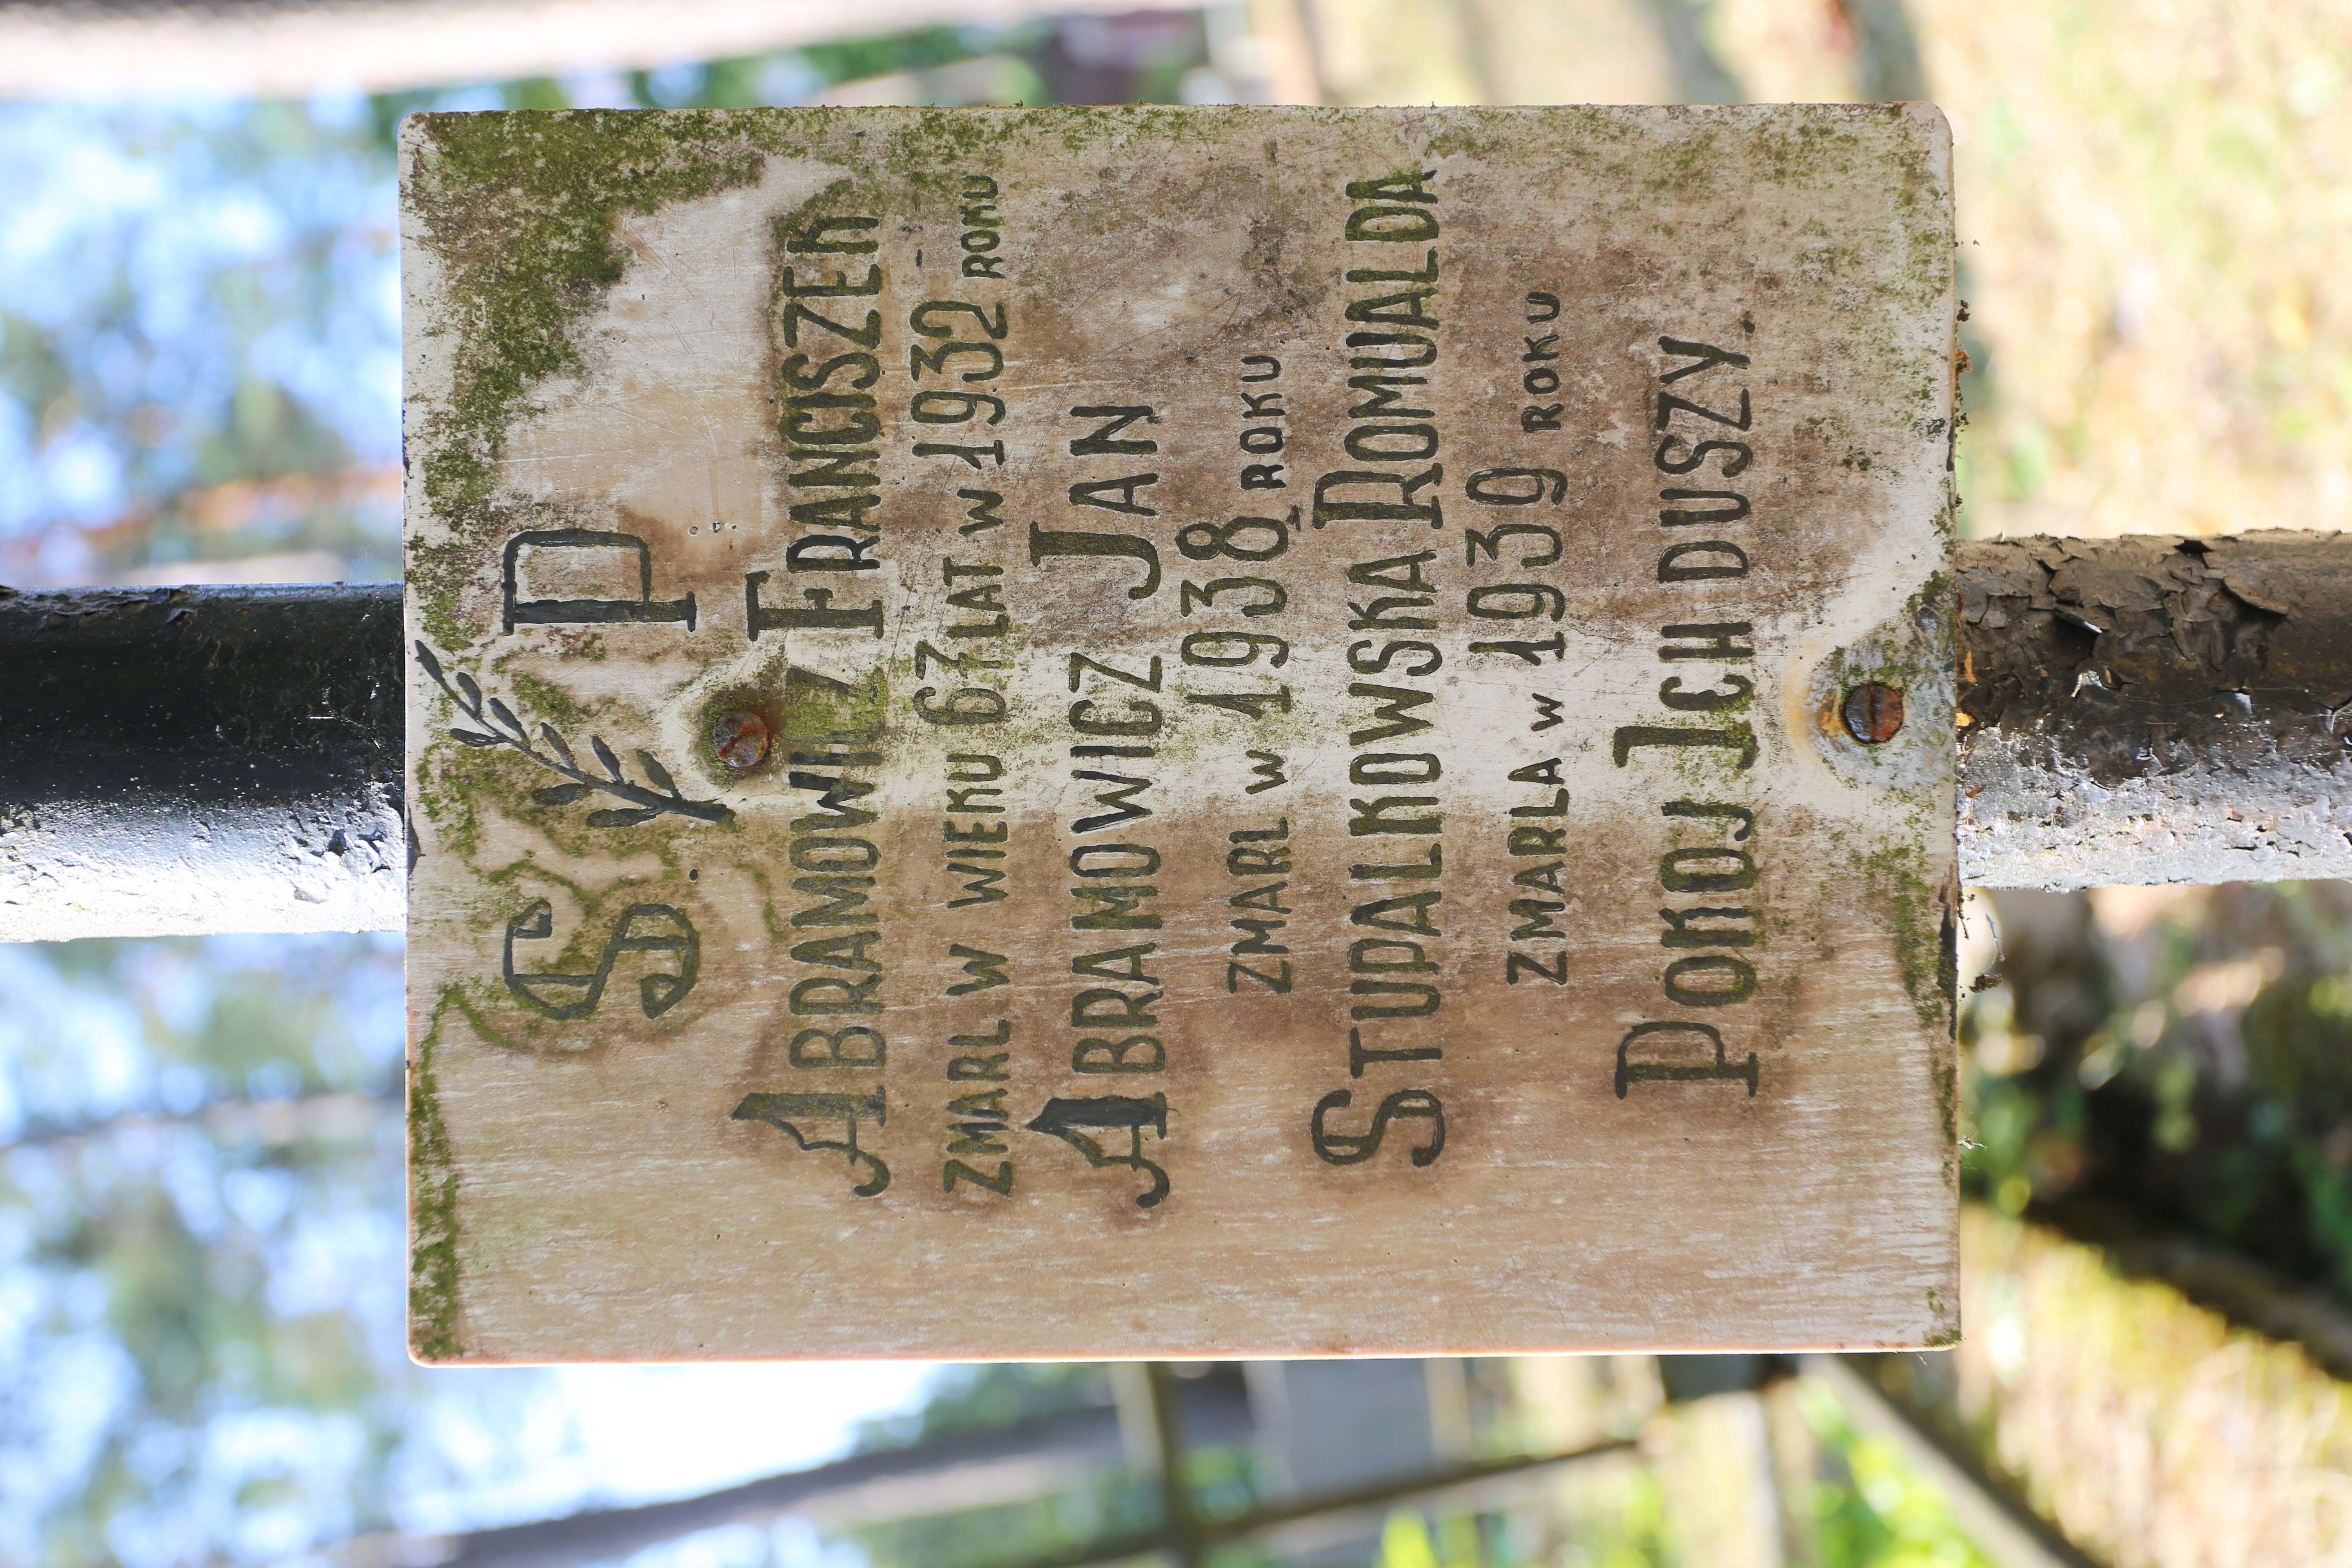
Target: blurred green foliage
column 855, row 58
column 1013, row 1534
column 1407, row 1541
column 1871, row 1510
column 2183, row 1056
column 186, row 1192
column 193, row 303
column 968, row 1399
column 998, row 1394
column 199, row 317
column 1857, row 1504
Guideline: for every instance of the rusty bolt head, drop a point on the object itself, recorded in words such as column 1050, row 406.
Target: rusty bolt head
column 740, row 739
column 1873, row 712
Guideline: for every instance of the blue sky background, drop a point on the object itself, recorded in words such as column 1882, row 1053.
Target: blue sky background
column 148, row 1213
column 202, row 1247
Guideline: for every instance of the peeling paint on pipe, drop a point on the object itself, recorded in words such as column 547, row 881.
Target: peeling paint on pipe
column 2155, row 709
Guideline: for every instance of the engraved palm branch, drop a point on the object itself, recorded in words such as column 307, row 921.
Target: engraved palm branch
column 500, row 727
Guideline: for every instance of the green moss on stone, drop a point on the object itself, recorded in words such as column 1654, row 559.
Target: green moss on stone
column 544, row 699
column 519, row 209
column 1896, row 882
column 818, row 710
column 433, row 1264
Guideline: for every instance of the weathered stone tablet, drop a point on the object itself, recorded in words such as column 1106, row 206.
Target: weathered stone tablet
column 1190, row 733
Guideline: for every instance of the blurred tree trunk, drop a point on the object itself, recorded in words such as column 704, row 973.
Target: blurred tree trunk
column 1699, row 76
column 1886, row 51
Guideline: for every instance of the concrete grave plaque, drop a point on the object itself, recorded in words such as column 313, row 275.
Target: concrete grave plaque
column 1100, row 732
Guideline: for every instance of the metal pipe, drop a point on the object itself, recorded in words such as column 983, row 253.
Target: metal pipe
column 2155, row 709
column 207, row 760
column 200, row 760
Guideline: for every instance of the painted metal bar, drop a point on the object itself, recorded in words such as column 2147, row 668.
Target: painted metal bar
column 179, row 761
column 2155, row 709
column 200, row 760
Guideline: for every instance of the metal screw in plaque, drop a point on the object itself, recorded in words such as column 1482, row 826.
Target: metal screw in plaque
column 1180, row 732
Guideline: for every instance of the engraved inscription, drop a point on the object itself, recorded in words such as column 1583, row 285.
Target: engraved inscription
column 1099, row 714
